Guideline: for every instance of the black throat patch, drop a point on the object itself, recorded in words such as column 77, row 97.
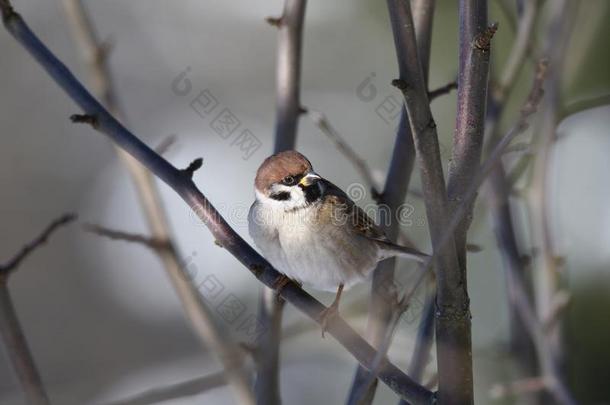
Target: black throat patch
column 312, row 193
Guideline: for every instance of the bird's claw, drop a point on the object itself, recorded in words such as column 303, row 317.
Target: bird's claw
column 281, row 282
column 326, row 316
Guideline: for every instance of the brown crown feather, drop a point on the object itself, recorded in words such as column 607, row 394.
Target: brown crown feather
column 280, row 165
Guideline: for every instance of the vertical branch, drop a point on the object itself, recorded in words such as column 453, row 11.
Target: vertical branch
column 474, row 54
column 11, row 333
column 454, row 352
column 423, row 16
column 288, row 110
column 18, row 350
column 555, row 47
column 199, row 315
column 288, row 73
column 521, row 343
column 383, row 294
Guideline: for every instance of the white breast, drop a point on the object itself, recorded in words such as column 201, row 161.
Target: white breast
column 297, row 246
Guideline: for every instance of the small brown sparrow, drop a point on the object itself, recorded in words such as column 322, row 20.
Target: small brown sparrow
column 312, row 232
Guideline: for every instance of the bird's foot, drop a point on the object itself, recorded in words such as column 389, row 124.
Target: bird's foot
column 327, row 315
column 281, row 282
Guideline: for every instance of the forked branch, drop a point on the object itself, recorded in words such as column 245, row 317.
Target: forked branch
column 10, row 328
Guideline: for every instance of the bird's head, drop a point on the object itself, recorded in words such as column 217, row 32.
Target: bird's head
column 287, row 181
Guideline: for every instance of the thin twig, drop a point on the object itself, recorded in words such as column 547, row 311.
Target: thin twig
column 200, row 316
column 151, row 243
column 220, row 229
column 441, row 91
column 182, row 389
column 41, row 239
column 517, row 388
column 165, row 144
column 359, row 163
column 425, row 334
column 11, row 332
column 549, row 345
column 500, row 185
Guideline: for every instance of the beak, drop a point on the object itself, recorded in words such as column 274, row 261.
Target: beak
column 309, row 179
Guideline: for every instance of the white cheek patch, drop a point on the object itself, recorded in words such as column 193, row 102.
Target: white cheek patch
column 296, row 200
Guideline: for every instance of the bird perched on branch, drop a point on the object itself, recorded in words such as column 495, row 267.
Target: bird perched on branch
column 312, row 232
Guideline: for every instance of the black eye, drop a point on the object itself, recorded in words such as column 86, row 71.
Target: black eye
column 289, row 181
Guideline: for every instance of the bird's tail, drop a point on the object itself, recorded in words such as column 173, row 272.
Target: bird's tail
column 389, row 249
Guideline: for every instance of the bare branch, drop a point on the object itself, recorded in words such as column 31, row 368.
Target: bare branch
column 193, row 167
column 165, row 144
column 441, row 91
column 359, row 163
column 517, row 388
column 288, row 74
column 174, row 391
column 518, row 52
column 453, row 316
column 12, row 264
column 425, row 334
column 151, row 243
column 560, row 303
column 258, row 266
column 11, row 333
column 95, row 53
column 500, row 186
column 18, row 350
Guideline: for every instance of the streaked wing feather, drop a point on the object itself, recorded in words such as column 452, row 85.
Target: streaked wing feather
column 361, row 223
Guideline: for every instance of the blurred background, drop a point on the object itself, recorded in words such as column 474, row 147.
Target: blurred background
column 101, row 318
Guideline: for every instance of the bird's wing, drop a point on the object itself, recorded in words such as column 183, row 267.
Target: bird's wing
column 344, row 209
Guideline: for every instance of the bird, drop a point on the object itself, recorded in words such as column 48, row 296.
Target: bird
column 309, row 230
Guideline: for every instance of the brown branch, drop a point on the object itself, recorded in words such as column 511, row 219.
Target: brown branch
column 500, row 186
column 165, row 144
column 549, row 346
column 200, row 316
column 12, row 264
column 193, row 167
column 441, row 91
column 175, row 391
column 150, row 242
column 359, row 163
column 220, row 229
column 517, row 388
column 11, row 332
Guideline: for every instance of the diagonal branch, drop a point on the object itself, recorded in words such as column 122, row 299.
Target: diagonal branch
column 95, row 54
column 15, row 261
column 182, row 389
column 151, row 243
column 10, row 329
column 220, row 229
